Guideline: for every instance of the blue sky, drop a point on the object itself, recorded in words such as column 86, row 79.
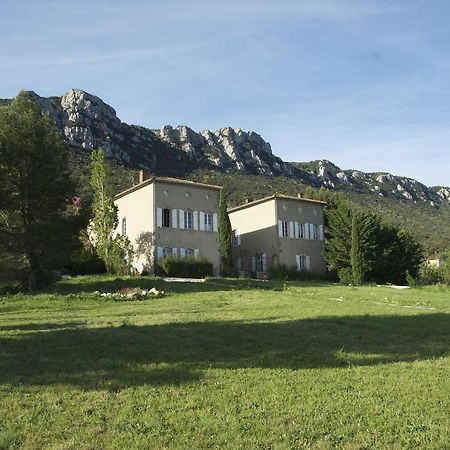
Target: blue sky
column 365, row 84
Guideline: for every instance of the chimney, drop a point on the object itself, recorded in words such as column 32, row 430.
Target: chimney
column 248, row 200
column 299, row 195
column 141, row 176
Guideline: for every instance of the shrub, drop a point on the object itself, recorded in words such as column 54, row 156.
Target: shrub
column 280, row 272
column 121, row 256
column 345, row 275
column 189, row 267
column 429, row 275
column 84, row 263
column 285, row 273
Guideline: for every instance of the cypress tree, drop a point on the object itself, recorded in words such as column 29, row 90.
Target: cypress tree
column 225, row 237
column 356, row 254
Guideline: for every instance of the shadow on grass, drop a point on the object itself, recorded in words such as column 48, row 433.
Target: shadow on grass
column 103, row 284
column 117, row 357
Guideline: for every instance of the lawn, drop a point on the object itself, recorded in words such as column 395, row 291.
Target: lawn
column 225, row 364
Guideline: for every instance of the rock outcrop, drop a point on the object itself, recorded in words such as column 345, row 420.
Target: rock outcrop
column 86, row 122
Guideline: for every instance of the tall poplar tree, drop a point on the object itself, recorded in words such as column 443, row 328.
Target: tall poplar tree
column 104, row 210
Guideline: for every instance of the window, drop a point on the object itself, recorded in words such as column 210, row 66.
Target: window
column 301, row 231
column 167, row 251
column 188, row 220
column 284, row 229
column 208, row 218
column 166, row 216
column 301, row 263
column 189, row 252
column 235, row 238
column 315, row 231
column 261, row 264
column 124, row 226
column 238, row 265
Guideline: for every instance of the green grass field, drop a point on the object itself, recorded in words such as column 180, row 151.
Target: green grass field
column 227, row 364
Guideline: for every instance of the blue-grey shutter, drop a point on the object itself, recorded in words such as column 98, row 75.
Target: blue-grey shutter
column 307, row 230
column 181, row 219
column 174, row 218
column 159, row 217
column 195, row 214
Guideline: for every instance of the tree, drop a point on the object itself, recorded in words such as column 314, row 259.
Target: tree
column 364, row 244
column 34, row 189
column 115, row 251
column 225, row 237
column 104, row 210
column 338, row 242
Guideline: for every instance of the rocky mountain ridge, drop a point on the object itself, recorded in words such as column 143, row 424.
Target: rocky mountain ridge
column 86, row 122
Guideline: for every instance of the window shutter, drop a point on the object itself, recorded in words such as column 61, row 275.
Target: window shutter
column 296, row 230
column 195, row 214
column 202, row 221
column 253, row 263
column 280, row 228
column 306, row 230
column 182, row 252
column 308, row 263
column 215, row 223
column 181, row 219
column 321, row 232
column 174, row 218
column 311, row 231
column 174, row 251
column 291, row 229
column 159, row 217
column 264, row 262
column 159, row 253
column 297, row 260
column 196, row 252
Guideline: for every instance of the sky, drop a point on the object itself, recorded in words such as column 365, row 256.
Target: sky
column 362, row 83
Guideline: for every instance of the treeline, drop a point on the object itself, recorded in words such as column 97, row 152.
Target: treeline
column 362, row 248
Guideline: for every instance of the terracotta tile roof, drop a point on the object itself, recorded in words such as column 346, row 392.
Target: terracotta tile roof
column 167, row 180
column 274, row 197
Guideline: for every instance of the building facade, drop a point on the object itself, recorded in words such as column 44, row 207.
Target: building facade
column 168, row 216
column 278, row 230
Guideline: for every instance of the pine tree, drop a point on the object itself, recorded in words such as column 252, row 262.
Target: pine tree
column 34, row 190
column 225, row 237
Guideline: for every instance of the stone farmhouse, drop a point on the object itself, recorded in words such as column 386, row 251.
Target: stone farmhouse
column 278, row 230
column 176, row 217
column 180, row 218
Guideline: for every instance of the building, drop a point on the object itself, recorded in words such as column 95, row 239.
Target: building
column 278, row 230
column 168, row 216
column 436, row 262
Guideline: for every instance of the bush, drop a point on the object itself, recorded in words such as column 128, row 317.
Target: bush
column 280, row 272
column 285, row 273
column 345, row 275
column 190, row 267
column 429, row 275
column 85, row 263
